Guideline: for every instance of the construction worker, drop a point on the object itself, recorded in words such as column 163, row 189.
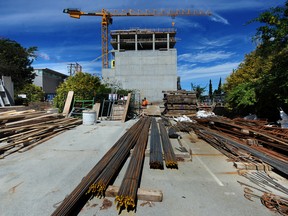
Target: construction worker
column 145, row 102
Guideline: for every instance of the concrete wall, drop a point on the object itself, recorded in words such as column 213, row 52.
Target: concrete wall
column 148, row 71
column 38, row 80
column 51, row 83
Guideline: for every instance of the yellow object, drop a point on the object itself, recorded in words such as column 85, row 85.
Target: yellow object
column 107, row 20
column 113, row 64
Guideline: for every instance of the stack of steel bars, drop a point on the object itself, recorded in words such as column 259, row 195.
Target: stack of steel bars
column 266, row 155
column 156, row 155
column 169, row 155
column 244, row 141
column 100, row 185
column 127, row 193
column 74, row 202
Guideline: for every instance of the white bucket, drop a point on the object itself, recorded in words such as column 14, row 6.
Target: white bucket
column 52, row 110
column 88, row 117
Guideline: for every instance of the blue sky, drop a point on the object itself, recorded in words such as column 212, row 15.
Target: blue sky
column 208, row 47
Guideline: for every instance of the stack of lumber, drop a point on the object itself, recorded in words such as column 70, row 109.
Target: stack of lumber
column 22, row 130
column 179, row 103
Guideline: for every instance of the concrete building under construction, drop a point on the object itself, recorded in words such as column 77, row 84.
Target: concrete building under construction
column 145, row 60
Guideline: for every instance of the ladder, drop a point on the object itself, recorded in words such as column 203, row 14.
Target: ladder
column 4, row 100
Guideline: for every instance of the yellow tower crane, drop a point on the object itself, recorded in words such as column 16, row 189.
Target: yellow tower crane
column 107, row 20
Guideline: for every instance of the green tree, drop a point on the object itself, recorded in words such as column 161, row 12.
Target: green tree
column 33, row 93
column 15, row 61
column 84, row 85
column 242, row 98
column 272, row 37
column 219, row 90
column 260, row 83
column 250, row 70
column 210, row 90
column 198, row 90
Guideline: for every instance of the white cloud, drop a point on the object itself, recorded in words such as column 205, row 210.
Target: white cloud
column 220, row 42
column 217, row 18
column 43, row 55
column 186, row 23
column 205, row 57
column 188, row 73
column 62, row 67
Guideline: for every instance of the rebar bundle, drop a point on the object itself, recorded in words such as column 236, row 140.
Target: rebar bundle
column 169, row 155
column 241, row 142
column 127, row 193
column 79, row 196
column 275, row 162
column 156, row 155
column 100, row 185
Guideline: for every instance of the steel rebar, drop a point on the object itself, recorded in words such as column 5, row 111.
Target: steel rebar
column 127, row 194
column 156, row 155
column 169, row 155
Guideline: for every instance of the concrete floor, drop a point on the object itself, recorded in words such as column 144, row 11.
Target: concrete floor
column 33, row 183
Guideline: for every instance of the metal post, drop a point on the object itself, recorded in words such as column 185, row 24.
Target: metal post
column 118, row 42
column 136, row 42
column 168, row 41
column 153, row 41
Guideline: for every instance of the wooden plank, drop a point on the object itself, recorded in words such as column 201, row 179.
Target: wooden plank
column 181, row 107
column 181, row 112
column 39, row 142
column 68, row 103
column 142, row 194
column 11, row 151
column 126, row 107
column 7, row 112
column 96, row 107
column 32, row 119
column 252, row 166
column 181, row 99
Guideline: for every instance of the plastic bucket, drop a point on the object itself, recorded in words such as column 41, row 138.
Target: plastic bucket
column 52, row 110
column 88, row 117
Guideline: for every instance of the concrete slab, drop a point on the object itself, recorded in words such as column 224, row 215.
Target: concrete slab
column 35, row 182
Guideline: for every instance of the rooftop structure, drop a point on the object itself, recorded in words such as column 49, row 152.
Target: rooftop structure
column 143, row 39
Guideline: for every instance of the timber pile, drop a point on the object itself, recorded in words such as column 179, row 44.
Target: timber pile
column 178, row 103
column 22, row 130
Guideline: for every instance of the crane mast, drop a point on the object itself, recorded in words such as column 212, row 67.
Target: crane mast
column 107, row 20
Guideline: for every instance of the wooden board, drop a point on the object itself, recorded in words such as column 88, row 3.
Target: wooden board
column 181, row 107
column 126, row 107
column 96, row 107
column 181, row 99
column 68, row 103
column 252, row 166
column 142, row 194
column 181, row 112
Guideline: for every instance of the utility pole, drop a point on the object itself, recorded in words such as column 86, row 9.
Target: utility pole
column 74, row 68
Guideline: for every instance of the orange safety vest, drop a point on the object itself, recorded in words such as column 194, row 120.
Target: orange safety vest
column 145, row 103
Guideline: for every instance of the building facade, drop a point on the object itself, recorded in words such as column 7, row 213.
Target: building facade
column 145, row 60
column 48, row 80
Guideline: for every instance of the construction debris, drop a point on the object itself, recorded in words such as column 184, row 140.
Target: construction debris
column 270, row 200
